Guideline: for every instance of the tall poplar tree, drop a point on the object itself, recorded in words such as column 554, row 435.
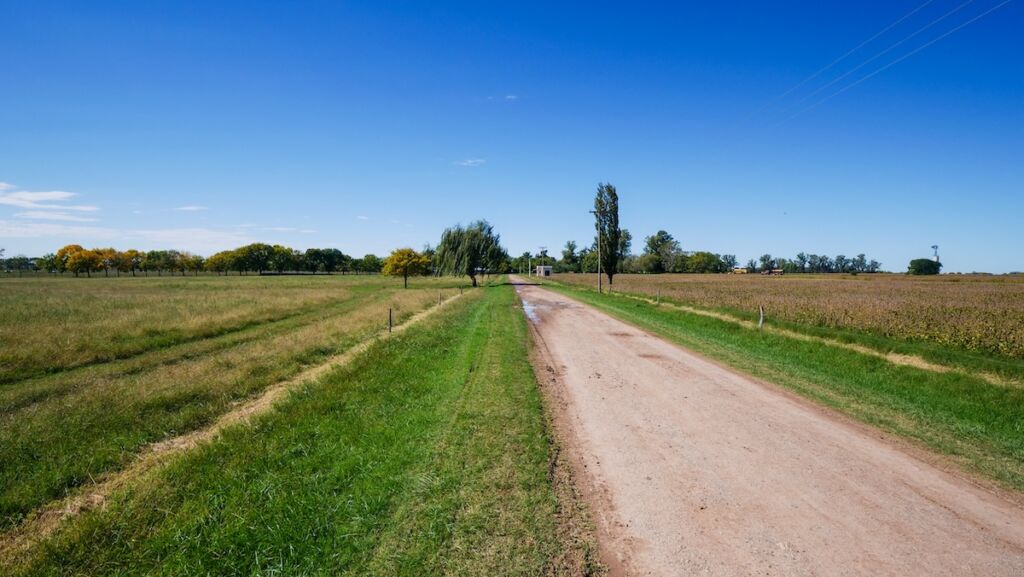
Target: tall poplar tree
column 606, row 217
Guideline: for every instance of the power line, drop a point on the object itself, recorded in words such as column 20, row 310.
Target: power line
column 909, row 54
column 885, row 51
column 851, row 51
column 899, row 59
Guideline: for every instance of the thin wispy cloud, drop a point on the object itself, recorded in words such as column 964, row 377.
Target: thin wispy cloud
column 44, row 215
column 5, row 186
column 471, row 162
column 361, row 217
column 39, row 200
column 511, row 97
column 191, row 208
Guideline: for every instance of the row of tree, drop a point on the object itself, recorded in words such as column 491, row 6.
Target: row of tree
column 815, row 263
column 471, row 251
column 256, row 257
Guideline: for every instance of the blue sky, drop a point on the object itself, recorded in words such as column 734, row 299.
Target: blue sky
column 367, row 125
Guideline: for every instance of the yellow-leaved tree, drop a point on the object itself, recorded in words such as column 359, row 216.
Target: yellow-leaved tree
column 404, row 262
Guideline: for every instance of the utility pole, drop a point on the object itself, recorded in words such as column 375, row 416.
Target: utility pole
column 596, row 215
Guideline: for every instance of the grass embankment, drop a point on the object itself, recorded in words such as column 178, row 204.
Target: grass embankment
column 426, row 455
column 62, row 430
column 976, row 422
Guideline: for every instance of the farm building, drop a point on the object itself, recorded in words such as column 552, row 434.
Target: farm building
column 543, row 270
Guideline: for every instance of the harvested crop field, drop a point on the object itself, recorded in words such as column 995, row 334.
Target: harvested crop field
column 980, row 313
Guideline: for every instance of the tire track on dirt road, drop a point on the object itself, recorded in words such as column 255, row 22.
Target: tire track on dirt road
column 692, row 469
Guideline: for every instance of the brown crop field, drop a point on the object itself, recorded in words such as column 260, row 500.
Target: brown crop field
column 971, row 312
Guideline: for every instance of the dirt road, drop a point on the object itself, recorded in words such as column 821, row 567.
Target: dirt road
column 692, row 469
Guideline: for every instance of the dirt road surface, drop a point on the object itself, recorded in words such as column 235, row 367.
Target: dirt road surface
column 692, row 469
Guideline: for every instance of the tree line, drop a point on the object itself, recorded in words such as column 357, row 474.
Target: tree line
column 662, row 253
column 471, row 250
column 259, row 258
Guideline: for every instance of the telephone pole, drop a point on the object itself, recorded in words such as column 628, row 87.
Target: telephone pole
column 597, row 216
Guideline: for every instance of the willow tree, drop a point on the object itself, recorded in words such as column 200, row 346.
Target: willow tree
column 606, row 220
column 470, row 251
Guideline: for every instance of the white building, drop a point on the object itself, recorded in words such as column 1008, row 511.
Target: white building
column 543, row 270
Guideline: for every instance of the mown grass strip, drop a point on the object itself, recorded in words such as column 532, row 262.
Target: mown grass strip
column 978, row 423
column 425, row 455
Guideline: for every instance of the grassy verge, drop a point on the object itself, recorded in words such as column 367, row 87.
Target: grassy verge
column 980, row 424
column 426, row 455
column 61, row 431
column 948, row 356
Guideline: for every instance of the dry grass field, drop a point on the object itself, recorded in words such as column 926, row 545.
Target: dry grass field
column 96, row 369
column 977, row 313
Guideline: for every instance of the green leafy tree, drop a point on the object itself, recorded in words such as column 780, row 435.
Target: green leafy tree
column 609, row 235
column 470, row 251
column 801, row 262
column 283, row 259
column 406, row 262
column 18, row 263
column 705, row 262
column 570, row 260
column 193, row 263
column 219, row 263
column 47, row 262
column 372, row 263
column 924, row 266
column 661, row 249
column 257, row 256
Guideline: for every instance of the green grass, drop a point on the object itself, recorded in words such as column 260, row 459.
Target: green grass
column 979, row 424
column 427, row 455
column 68, row 427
